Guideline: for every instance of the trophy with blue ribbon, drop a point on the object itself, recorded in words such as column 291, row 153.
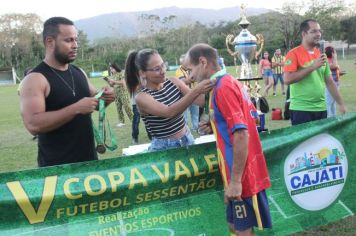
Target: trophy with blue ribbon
column 245, row 48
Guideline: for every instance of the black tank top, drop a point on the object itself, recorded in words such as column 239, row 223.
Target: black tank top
column 74, row 141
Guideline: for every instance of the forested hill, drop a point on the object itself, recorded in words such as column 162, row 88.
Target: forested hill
column 132, row 24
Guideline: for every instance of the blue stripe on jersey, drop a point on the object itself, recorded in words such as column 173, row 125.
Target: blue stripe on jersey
column 222, row 128
column 238, row 126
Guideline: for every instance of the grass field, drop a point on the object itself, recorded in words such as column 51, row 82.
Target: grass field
column 18, row 151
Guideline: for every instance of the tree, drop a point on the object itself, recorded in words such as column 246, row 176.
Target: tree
column 288, row 23
column 150, row 24
column 83, row 44
column 348, row 30
column 328, row 14
column 273, row 33
column 19, row 35
column 168, row 22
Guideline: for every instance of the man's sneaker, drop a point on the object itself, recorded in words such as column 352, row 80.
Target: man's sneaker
column 120, row 124
column 274, row 94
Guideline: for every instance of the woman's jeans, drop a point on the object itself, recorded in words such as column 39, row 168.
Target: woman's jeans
column 167, row 143
column 330, row 102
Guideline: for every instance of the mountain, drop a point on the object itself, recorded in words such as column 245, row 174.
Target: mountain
column 130, row 24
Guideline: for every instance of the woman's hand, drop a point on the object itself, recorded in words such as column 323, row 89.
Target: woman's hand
column 205, row 86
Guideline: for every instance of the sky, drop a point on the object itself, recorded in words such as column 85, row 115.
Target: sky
column 80, row 9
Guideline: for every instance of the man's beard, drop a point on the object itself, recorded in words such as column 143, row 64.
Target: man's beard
column 61, row 58
column 315, row 42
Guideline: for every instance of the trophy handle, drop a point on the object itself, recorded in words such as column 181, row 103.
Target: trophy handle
column 229, row 41
column 260, row 41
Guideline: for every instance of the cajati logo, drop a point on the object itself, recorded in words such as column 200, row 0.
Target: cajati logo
column 315, row 172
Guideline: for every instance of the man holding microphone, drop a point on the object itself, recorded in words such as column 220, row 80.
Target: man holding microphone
column 307, row 72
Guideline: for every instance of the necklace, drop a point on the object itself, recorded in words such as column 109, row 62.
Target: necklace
column 65, row 82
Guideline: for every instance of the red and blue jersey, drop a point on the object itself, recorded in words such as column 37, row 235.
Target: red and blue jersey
column 231, row 109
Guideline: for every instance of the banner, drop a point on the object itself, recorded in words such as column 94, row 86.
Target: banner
column 179, row 191
column 162, row 193
column 312, row 169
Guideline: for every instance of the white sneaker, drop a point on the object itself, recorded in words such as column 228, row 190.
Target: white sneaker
column 120, row 124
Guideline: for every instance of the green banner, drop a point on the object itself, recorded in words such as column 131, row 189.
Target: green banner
column 179, row 192
column 312, row 168
column 148, row 194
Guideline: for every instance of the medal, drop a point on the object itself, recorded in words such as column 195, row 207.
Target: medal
column 100, row 148
column 99, row 133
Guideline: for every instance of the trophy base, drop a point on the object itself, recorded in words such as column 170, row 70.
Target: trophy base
column 250, row 79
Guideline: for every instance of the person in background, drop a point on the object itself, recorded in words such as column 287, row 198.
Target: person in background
column 307, row 73
column 57, row 99
column 335, row 72
column 161, row 101
column 121, row 95
column 241, row 160
column 266, row 72
column 277, row 65
column 183, row 74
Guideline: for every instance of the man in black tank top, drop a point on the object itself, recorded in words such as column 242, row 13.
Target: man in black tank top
column 57, row 100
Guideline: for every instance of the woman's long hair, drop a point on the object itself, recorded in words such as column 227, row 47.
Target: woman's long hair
column 135, row 61
column 116, row 68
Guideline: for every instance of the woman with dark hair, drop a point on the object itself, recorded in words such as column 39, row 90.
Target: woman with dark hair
column 161, row 101
column 334, row 67
column 121, row 95
column 266, row 72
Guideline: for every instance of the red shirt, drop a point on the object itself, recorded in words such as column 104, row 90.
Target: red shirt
column 266, row 64
column 232, row 109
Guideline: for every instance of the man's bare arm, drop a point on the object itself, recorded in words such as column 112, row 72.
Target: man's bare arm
column 37, row 120
column 240, row 150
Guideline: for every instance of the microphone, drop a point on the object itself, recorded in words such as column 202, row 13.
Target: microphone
column 322, row 46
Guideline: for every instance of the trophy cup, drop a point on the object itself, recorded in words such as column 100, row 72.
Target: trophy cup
column 245, row 45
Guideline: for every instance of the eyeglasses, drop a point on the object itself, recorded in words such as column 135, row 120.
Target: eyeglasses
column 158, row 69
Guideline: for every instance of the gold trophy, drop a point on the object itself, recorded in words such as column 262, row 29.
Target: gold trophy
column 245, row 45
column 247, row 51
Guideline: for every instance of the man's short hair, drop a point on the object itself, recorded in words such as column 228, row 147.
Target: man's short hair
column 304, row 26
column 51, row 26
column 202, row 50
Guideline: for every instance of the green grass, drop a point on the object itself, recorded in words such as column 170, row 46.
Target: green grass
column 18, row 151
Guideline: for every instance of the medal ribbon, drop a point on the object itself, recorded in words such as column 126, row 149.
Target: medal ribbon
column 100, row 133
column 208, row 95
